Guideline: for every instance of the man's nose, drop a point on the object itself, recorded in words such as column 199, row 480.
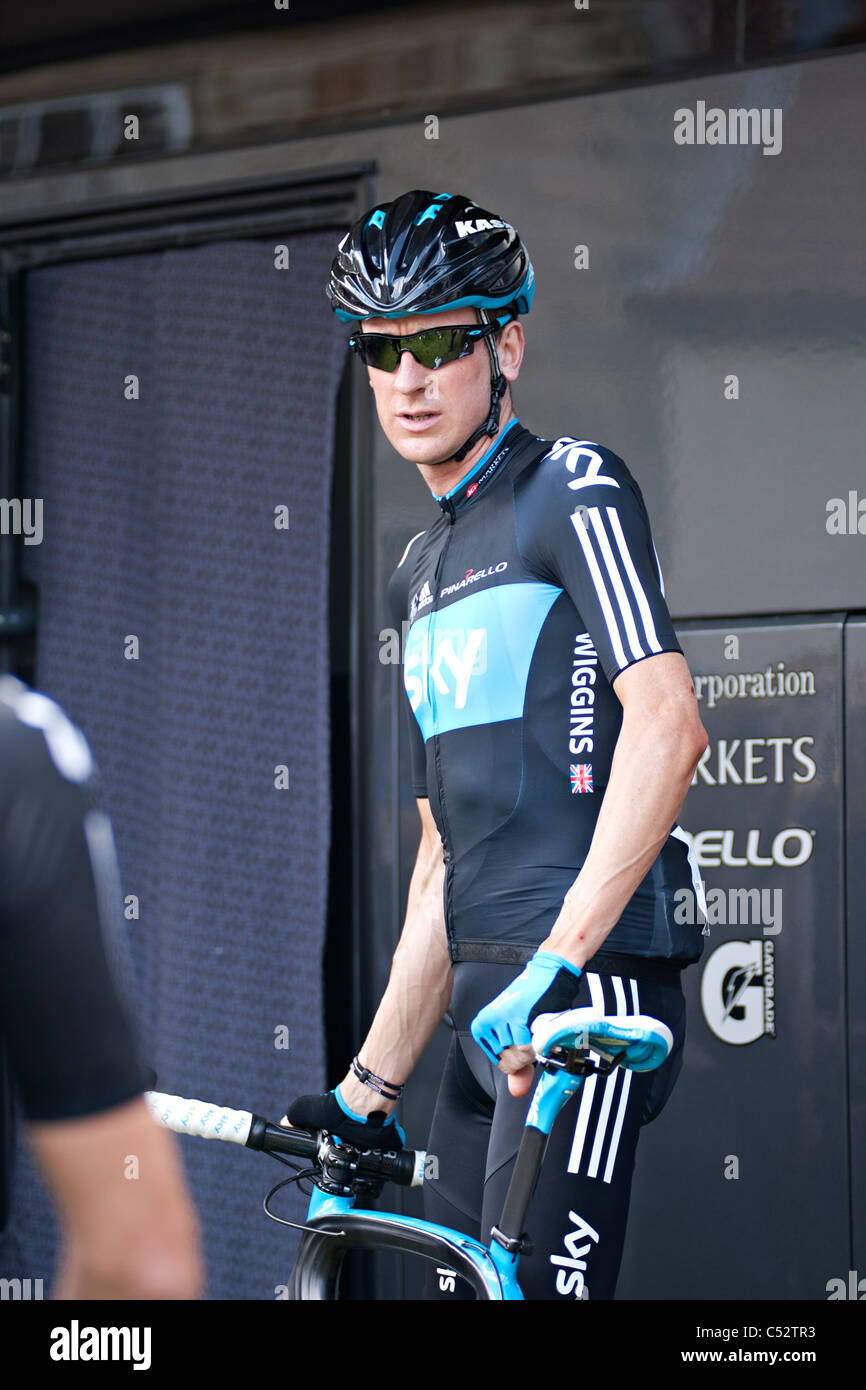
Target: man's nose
column 409, row 375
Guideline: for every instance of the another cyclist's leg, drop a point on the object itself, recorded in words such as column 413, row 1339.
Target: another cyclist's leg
column 577, row 1217
column 460, row 1130
column 456, row 1157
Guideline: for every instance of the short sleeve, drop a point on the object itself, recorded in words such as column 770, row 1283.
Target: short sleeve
column 398, row 607
column 64, row 971
column 582, row 525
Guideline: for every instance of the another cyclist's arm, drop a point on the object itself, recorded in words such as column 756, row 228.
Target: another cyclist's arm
column 419, row 987
column 128, row 1228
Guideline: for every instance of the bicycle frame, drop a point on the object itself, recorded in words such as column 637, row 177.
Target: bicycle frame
column 568, row 1046
column 490, row 1270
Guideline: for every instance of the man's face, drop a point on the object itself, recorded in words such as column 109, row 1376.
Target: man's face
column 426, row 415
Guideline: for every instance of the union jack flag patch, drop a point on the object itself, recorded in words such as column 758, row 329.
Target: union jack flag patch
column 581, row 777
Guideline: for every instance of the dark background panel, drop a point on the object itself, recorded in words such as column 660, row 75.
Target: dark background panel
column 777, row 1105
column 159, row 525
column 855, row 825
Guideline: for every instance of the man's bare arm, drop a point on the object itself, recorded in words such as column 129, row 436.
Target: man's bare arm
column 659, row 745
column 658, row 748
column 419, row 986
column 129, row 1229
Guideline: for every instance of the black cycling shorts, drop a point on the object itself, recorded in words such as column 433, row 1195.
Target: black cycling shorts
column 577, row 1217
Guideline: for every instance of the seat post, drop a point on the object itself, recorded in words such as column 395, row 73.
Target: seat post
column 510, row 1233
column 553, row 1089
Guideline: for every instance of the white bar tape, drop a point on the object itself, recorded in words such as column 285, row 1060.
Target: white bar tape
column 199, row 1118
column 420, row 1165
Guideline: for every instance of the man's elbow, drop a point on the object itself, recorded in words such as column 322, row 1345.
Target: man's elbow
column 691, row 738
column 677, row 725
column 659, row 705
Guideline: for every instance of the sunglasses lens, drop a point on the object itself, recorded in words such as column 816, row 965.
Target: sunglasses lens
column 436, row 346
column 382, row 353
column 433, row 347
column 375, row 351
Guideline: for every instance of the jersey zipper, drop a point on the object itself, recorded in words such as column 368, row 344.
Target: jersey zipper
column 447, row 854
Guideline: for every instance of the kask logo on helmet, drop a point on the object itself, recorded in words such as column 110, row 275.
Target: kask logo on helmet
column 480, row 224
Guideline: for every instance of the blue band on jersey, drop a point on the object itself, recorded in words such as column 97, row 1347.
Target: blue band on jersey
column 469, row 663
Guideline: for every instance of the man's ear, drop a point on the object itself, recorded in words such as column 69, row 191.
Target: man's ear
column 514, row 342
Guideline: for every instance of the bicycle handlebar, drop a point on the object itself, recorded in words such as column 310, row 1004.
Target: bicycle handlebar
column 207, row 1121
column 569, row 1046
column 198, row 1118
column 635, row 1041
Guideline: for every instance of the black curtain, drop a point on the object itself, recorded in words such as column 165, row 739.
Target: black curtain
column 187, row 634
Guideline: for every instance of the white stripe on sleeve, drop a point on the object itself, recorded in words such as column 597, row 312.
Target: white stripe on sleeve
column 616, row 580
column 659, row 568
column 643, row 605
column 579, row 525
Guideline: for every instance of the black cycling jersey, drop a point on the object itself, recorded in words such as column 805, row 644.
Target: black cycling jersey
column 64, row 1022
column 536, row 585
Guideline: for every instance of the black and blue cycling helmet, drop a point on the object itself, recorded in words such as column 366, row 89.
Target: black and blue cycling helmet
column 425, row 252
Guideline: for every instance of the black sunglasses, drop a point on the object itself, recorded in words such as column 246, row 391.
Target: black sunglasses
column 432, row 347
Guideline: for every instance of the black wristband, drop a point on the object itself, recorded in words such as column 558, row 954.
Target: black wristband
column 389, row 1089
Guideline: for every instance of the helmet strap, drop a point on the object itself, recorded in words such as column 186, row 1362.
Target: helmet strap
column 498, row 387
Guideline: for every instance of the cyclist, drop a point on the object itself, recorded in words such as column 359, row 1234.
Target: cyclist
column 554, row 732
column 127, row 1232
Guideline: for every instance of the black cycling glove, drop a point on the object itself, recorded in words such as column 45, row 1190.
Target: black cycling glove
column 330, row 1112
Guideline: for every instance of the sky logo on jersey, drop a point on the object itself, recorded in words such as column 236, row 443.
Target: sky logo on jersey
column 581, row 777
column 571, row 1267
column 468, row 663
column 573, row 452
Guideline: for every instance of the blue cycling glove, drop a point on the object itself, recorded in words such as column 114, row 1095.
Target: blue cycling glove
column 330, row 1112
column 548, row 985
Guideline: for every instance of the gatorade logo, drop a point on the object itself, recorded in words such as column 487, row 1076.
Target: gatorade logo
column 738, row 991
